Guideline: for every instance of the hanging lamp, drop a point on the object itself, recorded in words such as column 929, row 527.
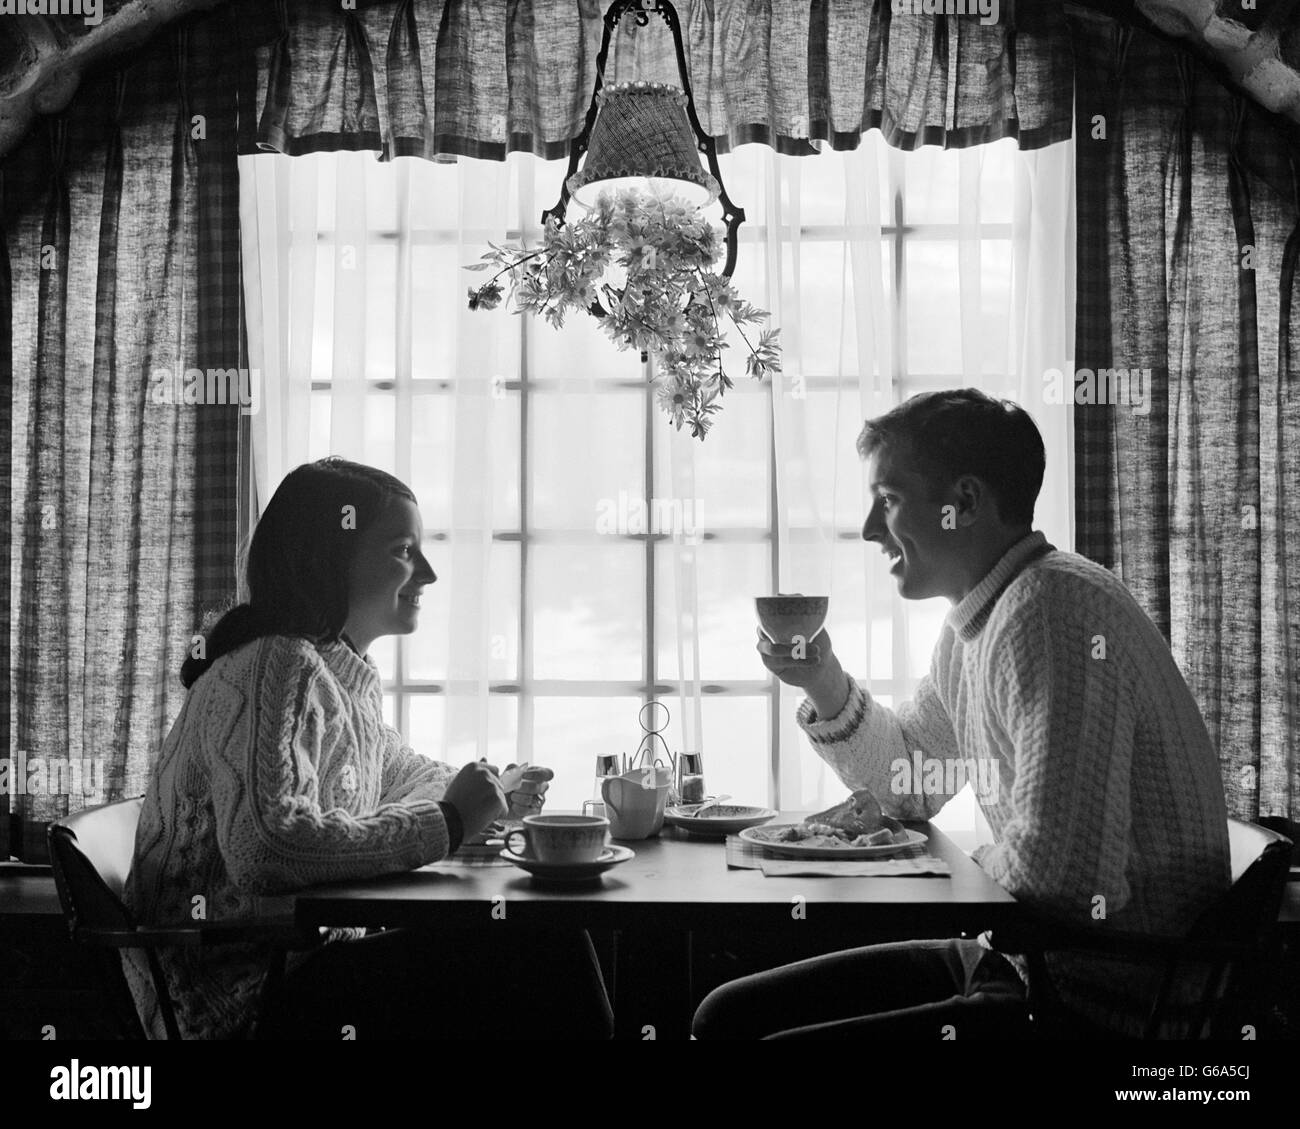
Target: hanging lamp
column 646, row 135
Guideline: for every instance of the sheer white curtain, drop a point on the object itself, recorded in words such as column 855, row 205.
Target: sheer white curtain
column 888, row 273
column 344, row 260
column 952, row 269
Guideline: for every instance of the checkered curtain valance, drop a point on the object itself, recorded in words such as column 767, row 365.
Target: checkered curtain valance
column 482, row 78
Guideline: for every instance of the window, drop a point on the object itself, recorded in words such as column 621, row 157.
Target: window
column 552, row 485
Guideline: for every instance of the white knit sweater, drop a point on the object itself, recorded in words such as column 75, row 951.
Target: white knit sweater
column 1059, row 688
column 278, row 774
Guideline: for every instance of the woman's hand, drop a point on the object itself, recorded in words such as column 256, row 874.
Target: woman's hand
column 476, row 795
column 525, row 788
column 818, row 671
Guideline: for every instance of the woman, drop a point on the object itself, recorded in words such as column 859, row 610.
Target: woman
column 280, row 773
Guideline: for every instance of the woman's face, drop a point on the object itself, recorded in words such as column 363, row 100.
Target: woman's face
column 386, row 575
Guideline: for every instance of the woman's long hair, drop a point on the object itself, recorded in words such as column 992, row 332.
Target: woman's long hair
column 298, row 561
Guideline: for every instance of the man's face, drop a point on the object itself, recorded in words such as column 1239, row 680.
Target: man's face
column 907, row 522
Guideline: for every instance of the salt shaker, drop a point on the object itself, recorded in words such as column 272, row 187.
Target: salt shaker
column 690, row 777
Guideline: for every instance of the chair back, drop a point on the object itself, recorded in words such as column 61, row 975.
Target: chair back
column 90, row 854
column 1283, row 826
column 1247, row 913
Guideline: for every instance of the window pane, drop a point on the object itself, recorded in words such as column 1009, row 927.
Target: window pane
column 834, row 418
column 427, row 649
column 998, row 181
column 428, row 728
column 321, row 342
column 933, row 308
column 384, row 651
column 821, row 192
column 380, row 268
column 585, row 448
column 853, row 572
column 318, row 443
column 995, row 297
column 930, row 185
column 378, row 438
column 326, row 170
column 438, row 285
column 433, row 459
column 882, row 648
column 731, row 465
column 924, row 622
column 378, row 435
column 736, row 748
column 381, row 193
column 578, row 352
column 381, row 432
column 823, row 310
column 568, row 735
column 728, row 578
column 587, row 611
column 435, row 189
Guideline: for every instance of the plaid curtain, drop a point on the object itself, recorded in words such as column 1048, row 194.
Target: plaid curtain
column 1187, row 474
column 119, row 281
column 481, row 78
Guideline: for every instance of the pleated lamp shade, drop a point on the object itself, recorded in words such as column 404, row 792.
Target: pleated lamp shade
column 641, row 134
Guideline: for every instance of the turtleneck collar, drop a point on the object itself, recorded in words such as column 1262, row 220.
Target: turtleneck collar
column 357, row 673
column 969, row 616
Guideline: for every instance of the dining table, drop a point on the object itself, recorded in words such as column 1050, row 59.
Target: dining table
column 677, row 887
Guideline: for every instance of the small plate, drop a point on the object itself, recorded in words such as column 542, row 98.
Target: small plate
column 494, row 833
column 799, row 851
column 729, row 819
column 569, row 871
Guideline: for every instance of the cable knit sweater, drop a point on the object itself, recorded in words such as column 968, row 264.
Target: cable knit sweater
column 278, row 774
column 1058, row 687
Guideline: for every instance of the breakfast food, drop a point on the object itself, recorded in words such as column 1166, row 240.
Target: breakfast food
column 857, row 822
column 860, row 814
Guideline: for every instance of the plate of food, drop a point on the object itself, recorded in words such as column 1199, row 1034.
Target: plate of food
column 855, row 829
column 716, row 820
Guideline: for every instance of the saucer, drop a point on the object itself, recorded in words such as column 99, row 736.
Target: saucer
column 570, row 871
column 722, row 820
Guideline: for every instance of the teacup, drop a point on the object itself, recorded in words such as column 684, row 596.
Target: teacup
column 563, row 839
column 635, row 802
column 786, row 618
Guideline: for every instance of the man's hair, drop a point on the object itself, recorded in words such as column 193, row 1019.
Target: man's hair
column 955, row 433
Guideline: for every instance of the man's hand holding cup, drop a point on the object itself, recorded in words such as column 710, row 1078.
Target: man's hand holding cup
column 795, row 646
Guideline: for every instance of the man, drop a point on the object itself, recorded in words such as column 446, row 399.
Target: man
column 1049, row 681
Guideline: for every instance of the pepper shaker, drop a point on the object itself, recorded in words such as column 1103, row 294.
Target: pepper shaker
column 607, row 764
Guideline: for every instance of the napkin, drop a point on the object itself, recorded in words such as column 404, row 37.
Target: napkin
column 923, row 866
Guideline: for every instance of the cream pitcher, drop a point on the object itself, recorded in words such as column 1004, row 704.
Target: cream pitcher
column 634, row 802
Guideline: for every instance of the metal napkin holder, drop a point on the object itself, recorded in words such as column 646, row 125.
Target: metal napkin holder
column 646, row 758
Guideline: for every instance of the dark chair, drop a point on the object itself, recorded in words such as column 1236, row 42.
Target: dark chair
column 1234, row 941
column 90, row 854
column 1291, row 830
